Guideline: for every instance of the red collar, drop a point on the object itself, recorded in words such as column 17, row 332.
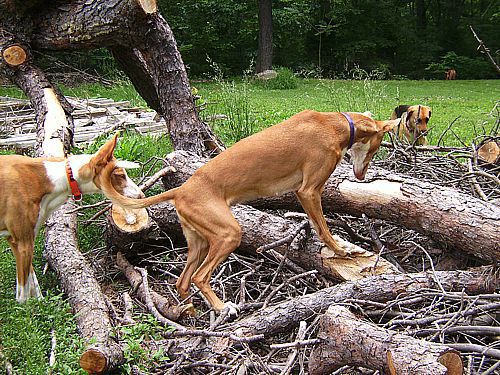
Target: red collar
column 75, row 190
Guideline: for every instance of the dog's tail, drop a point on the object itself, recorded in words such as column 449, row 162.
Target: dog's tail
column 109, row 190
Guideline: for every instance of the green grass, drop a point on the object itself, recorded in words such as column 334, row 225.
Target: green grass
column 25, row 330
column 469, row 101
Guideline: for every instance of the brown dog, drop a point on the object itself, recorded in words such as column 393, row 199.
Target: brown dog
column 297, row 155
column 413, row 125
column 32, row 188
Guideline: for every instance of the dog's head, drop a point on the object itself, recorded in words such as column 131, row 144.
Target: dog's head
column 369, row 135
column 417, row 118
column 90, row 167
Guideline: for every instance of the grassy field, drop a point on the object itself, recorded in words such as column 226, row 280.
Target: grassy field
column 25, row 330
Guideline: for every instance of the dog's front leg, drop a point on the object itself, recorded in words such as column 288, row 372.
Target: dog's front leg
column 310, row 199
column 26, row 281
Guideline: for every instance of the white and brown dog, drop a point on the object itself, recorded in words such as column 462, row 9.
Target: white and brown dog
column 413, row 125
column 32, row 188
column 296, row 155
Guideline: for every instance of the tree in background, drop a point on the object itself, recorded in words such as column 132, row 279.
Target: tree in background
column 265, row 48
column 334, row 37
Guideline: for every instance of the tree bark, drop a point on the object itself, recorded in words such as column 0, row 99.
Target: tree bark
column 446, row 215
column 346, row 340
column 158, row 54
column 265, row 47
column 382, row 288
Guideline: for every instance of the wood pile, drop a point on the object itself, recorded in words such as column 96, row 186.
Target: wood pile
column 92, row 117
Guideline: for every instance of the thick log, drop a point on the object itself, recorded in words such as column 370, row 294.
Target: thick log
column 54, row 134
column 84, row 293
column 383, row 288
column 446, row 215
column 90, row 24
column 346, row 340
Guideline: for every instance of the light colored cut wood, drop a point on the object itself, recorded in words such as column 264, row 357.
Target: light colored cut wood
column 14, row 55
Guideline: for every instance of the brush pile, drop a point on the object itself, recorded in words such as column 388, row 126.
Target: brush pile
column 293, row 318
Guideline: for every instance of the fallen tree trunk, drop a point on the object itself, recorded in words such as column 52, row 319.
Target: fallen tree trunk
column 54, row 134
column 346, row 340
column 382, row 288
column 446, row 215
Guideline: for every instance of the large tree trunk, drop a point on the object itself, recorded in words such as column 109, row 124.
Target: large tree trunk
column 444, row 214
column 145, row 48
column 346, row 340
column 55, row 130
column 265, row 48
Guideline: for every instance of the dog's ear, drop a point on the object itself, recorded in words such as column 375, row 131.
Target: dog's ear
column 104, row 155
column 386, row 126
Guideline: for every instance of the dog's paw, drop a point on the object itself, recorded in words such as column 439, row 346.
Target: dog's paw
column 232, row 309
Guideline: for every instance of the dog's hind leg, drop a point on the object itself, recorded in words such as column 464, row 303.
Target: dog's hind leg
column 197, row 251
column 216, row 223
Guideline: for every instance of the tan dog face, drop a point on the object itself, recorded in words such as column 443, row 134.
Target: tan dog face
column 371, row 132
column 91, row 172
column 418, row 118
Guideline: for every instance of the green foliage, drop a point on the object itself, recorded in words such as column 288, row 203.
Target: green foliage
column 466, row 67
column 331, row 37
column 284, row 80
column 230, row 110
column 136, row 338
column 25, row 330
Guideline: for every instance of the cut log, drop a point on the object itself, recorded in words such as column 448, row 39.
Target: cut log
column 444, row 214
column 14, row 55
column 346, row 340
column 284, row 316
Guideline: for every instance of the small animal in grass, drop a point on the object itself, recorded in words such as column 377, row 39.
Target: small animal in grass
column 32, row 188
column 296, row 155
column 414, row 122
column 451, row 74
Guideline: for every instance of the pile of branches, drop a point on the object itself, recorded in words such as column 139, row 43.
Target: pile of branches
column 269, row 283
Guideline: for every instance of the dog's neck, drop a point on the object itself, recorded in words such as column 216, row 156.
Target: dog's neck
column 352, row 130
column 57, row 174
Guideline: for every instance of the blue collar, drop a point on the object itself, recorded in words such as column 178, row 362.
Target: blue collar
column 351, row 129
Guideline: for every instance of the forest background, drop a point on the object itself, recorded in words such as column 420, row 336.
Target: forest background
column 394, row 39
